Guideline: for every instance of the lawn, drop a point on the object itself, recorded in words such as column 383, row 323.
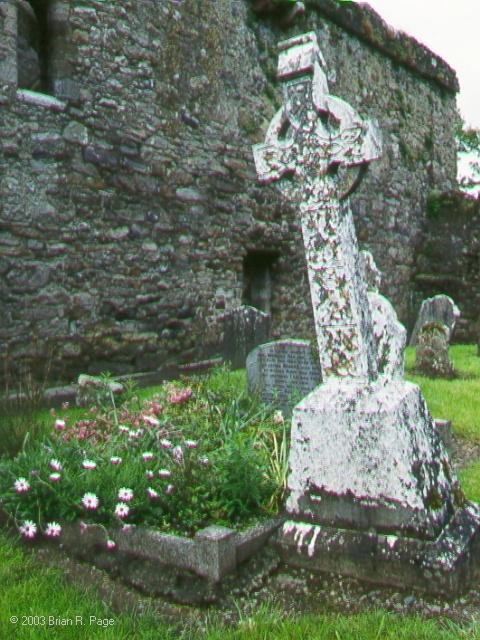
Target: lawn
column 30, row 589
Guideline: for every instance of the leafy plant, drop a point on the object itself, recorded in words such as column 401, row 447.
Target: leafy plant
column 180, row 458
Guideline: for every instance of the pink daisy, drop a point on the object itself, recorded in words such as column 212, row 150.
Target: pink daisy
column 90, row 501
column 177, row 453
column 170, row 488
column 55, row 465
column 89, row 464
column 149, row 473
column 148, row 455
column 21, row 485
column 152, row 493
column 115, row 460
column 122, row 510
column 191, row 444
column 110, row 544
column 154, row 422
column 166, row 443
column 55, row 477
column 59, row 424
column 28, row 529
column 125, row 494
column 164, row 473
column 53, row 529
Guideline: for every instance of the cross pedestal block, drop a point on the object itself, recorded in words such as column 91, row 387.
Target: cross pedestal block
column 447, row 565
column 372, row 494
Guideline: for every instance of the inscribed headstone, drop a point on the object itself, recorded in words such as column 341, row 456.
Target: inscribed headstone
column 283, row 372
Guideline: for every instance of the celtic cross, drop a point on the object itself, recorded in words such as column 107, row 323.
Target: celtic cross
column 310, row 142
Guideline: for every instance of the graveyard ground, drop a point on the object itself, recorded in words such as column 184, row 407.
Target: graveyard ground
column 284, row 605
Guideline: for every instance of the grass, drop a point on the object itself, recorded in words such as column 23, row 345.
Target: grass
column 457, row 400
column 29, row 589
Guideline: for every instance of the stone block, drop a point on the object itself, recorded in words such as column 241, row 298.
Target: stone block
column 440, row 309
column 93, row 390
column 243, row 329
column 367, row 455
column 446, row 566
column 444, row 428
column 283, row 372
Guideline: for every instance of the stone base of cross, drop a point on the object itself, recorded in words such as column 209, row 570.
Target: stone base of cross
column 372, row 491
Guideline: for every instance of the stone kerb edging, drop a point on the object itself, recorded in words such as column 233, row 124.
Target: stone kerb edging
column 211, row 554
column 363, row 22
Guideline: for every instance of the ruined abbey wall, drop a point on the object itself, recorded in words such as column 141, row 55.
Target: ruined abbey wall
column 129, row 201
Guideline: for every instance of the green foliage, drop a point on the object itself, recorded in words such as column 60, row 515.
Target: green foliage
column 458, row 399
column 30, row 589
column 191, row 456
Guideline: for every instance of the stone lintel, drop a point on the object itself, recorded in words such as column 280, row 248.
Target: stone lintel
column 447, row 565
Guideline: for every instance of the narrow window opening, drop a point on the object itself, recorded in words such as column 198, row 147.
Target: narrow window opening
column 33, row 46
column 257, row 279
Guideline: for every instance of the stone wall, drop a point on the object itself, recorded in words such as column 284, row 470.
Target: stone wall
column 129, row 202
column 448, row 260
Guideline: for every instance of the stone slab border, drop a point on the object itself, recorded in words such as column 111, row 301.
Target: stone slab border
column 187, row 569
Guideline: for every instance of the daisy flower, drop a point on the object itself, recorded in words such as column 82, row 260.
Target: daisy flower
column 59, row 424
column 89, row 464
column 191, row 444
column 55, row 477
column 125, row 494
column 55, row 465
column 148, row 455
column 164, row 473
column 151, row 420
column 21, row 485
column 127, row 527
column 53, row 529
column 166, row 443
column 177, row 453
column 149, row 473
column 169, row 489
column 203, row 460
column 115, row 460
column 152, row 493
column 123, row 428
column 122, row 510
column 90, row 501
column 110, row 544
column 28, row 529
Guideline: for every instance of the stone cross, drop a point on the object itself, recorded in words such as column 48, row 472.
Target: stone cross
column 312, row 140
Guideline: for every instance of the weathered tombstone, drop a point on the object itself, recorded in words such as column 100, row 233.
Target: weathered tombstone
column 243, row 329
column 431, row 351
column 283, row 372
column 93, row 391
column 440, row 309
column 372, row 492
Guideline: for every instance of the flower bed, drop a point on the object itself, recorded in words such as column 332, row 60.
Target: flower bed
column 183, row 458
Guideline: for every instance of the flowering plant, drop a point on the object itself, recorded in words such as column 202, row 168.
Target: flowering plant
column 179, row 458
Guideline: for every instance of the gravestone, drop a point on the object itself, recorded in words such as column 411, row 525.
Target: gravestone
column 431, row 352
column 244, row 328
column 440, row 309
column 371, row 490
column 283, row 372
column 95, row 391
